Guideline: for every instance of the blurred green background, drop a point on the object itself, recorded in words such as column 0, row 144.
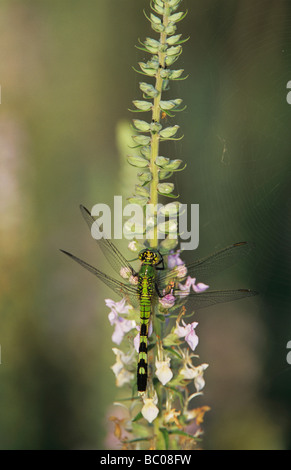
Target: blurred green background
column 66, row 83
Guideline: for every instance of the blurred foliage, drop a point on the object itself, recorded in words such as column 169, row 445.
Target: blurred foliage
column 66, row 83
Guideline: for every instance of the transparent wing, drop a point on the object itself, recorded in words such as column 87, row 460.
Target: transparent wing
column 205, row 268
column 206, row 299
column 124, row 290
column 112, row 254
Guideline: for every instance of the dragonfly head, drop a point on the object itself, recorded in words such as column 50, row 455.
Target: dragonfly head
column 151, row 257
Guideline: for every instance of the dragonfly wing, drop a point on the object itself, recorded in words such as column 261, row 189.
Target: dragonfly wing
column 112, row 254
column 205, row 268
column 206, row 299
column 123, row 290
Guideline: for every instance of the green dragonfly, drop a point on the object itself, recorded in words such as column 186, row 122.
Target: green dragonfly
column 153, row 282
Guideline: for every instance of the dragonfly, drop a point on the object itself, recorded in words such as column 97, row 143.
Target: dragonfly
column 151, row 283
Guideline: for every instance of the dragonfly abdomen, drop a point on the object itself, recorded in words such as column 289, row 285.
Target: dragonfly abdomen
column 145, row 289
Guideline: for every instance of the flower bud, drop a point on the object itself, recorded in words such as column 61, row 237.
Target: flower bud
column 141, row 201
column 142, row 126
column 162, row 161
column 174, row 50
column 141, row 139
column 149, row 410
column 176, row 17
column 145, row 177
column 174, row 74
column 169, row 131
column 173, row 39
column 163, row 371
column 137, row 161
column 146, row 152
column 174, row 164
column 143, row 105
column 141, row 191
column 148, row 89
column 170, row 104
column 165, row 188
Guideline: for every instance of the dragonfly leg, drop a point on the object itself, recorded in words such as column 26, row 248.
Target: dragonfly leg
column 161, row 261
column 158, row 292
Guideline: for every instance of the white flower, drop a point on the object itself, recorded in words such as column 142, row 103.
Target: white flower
column 118, row 307
column 171, row 416
column 174, row 260
column 200, row 287
column 181, row 271
column 122, row 325
column 133, row 280
column 196, row 373
column 132, row 245
column 167, row 301
column 188, row 330
column 125, row 272
column 163, row 371
column 122, row 375
column 149, row 410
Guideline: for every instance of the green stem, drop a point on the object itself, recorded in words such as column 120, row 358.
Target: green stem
column 155, row 139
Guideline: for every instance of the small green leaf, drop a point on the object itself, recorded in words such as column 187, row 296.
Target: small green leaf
column 163, row 174
column 170, row 104
column 173, row 351
column 173, row 4
column 174, row 164
column 143, row 105
column 162, row 161
column 142, row 126
column 165, row 188
column 170, row 209
column 148, row 70
column 137, row 417
column 141, row 201
column 155, row 127
column 141, row 191
column 165, row 435
column 171, row 340
column 158, row 9
column 176, row 17
column 174, row 74
column 170, row 29
column 155, row 19
column 148, row 89
column 137, row 161
column 141, row 139
column 152, row 43
column 173, row 39
column 145, row 177
column 170, row 60
column 159, row 28
column 146, row 152
column 174, row 50
column 182, row 433
column 178, row 393
column 169, row 131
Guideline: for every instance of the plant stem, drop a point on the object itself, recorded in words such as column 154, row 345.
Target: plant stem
column 155, row 140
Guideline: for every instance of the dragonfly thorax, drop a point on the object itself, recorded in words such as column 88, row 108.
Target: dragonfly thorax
column 151, row 257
